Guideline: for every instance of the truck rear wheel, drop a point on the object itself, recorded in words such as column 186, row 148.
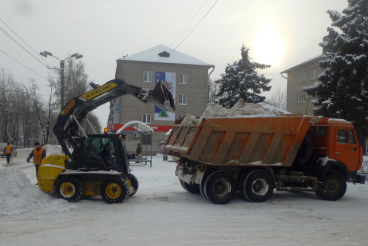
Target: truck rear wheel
column 114, row 190
column 135, row 183
column 258, row 186
column 201, row 190
column 68, row 188
column 220, row 187
column 334, row 187
column 190, row 188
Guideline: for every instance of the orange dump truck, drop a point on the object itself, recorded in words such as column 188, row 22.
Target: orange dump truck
column 253, row 156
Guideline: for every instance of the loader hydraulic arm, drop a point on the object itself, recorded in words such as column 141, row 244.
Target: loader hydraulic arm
column 77, row 108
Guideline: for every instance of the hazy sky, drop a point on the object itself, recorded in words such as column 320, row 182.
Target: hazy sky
column 281, row 32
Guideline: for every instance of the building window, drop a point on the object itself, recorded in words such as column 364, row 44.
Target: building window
column 301, row 98
column 302, row 78
column 147, row 76
column 116, row 117
column 313, row 74
column 183, row 78
column 146, row 118
column 116, row 106
column 182, row 99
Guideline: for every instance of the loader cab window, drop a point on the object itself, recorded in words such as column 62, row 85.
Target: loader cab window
column 101, row 147
column 124, row 153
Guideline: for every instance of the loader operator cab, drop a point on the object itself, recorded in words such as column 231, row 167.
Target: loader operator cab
column 110, row 147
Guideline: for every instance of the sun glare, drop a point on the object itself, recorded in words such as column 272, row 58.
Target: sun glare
column 267, row 47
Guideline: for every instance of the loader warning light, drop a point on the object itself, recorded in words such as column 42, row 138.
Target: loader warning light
column 119, row 136
column 106, row 130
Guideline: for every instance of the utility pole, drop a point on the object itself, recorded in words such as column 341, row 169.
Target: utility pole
column 62, row 65
column 62, row 84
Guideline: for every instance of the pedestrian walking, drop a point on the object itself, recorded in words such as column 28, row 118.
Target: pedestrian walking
column 38, row 154
column 8, row 151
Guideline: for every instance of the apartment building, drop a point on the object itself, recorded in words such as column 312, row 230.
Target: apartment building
column 186, row 78
column 299, row 76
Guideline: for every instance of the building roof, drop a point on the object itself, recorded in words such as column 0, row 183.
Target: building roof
column 315, row 58
column 161, row 53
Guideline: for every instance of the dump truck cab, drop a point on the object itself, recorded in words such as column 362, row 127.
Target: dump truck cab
column 336, row 141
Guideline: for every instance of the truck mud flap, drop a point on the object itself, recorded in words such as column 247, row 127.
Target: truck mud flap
column 189, row 178
column 359, row 179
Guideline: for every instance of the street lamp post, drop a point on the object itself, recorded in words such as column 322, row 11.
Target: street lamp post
column 62, row 63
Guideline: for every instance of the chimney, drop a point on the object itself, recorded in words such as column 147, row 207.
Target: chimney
column 164, row 54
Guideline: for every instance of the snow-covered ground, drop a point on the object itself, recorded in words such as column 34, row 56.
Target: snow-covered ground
column 162, row 213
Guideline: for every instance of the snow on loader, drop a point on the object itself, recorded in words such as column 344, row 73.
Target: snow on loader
column 98, row 164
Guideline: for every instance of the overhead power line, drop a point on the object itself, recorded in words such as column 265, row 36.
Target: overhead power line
column 9, row 36
column 194, row 27
column 188, row 23
column 24, row 41
column 22, row 64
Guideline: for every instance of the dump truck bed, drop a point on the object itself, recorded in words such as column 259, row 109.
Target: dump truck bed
column 268, row 141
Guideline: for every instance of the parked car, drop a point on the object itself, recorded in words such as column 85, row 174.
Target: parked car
column 2, row 147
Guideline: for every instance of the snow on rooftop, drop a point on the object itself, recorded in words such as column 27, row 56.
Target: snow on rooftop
column 305, row 62
column 176, row 57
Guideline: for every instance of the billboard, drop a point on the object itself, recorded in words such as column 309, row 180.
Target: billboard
column 170, row 82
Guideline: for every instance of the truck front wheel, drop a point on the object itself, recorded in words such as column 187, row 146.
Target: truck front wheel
column 258, row 186
column 220, row 187
column 334, row 187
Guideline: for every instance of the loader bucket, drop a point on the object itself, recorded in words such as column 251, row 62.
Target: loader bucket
column 162, row 98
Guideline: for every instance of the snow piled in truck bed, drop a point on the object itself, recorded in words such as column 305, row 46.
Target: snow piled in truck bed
column 239, row 110
column 19, row 196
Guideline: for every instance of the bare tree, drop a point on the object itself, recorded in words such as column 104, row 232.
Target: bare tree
column 51, row 104
column 25, row 116
column 278, row 99
column 36, row 99
column 212, row 90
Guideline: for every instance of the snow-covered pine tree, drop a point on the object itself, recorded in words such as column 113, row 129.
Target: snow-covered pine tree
column 242, row 81
column 342, row 90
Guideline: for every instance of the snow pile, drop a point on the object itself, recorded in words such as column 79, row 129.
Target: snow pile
column 19, row 196
column 52, row 149
column 240, row 109
column 190, row 120
column 364, row 168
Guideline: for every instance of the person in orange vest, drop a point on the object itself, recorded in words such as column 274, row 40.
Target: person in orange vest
column 8, row 151
column 38, row 155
